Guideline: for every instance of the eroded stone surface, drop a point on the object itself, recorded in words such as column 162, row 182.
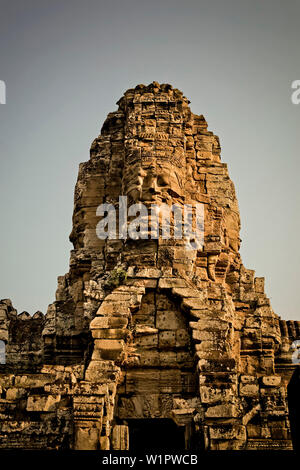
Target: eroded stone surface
column 147, row 329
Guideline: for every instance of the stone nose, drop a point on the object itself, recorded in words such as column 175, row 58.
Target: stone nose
column 150, row 185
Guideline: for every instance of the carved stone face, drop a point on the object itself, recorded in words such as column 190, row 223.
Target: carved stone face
column 154, row 181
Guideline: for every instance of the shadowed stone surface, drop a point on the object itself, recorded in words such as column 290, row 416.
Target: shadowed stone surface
column 148, row 329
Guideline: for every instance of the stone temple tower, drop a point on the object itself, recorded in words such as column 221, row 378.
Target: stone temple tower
column 151, row 343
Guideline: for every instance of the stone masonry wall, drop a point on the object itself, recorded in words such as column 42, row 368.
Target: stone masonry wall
column 148, row 328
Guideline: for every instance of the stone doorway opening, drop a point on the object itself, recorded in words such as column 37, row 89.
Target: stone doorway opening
column 157, row 433
column 293, row 392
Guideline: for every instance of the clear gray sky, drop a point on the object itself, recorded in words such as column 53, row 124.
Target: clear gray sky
column 66, row 63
